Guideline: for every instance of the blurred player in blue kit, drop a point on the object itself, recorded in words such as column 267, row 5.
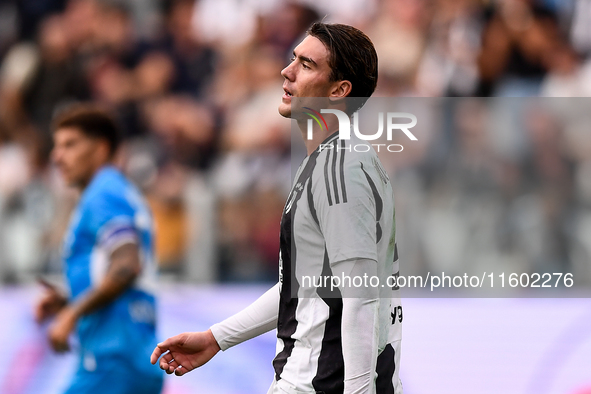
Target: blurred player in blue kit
column 108, row 261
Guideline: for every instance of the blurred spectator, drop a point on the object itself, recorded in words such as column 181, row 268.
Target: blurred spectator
column 8, row 25
column 58, row 78
column 31, row 13
column 194, row 60
column 517, row 40
column 26, row 206
column 449, row 65
column 400, row 36
column 569, row 75
column 282, row 29
column 228, row 23
column 580, row 30
column 187, row 137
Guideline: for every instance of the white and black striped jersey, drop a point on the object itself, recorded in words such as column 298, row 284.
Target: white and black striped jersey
column 341, row 207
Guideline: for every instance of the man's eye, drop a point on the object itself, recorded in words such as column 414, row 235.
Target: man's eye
column 305, row 66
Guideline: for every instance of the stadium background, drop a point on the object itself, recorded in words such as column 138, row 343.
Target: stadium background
column 196, row 86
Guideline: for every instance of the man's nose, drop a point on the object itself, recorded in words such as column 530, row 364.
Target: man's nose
column 287, row 72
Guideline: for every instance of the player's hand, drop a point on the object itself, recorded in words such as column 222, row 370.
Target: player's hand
column 60, row 329
column 185, row 352
column 50, row 303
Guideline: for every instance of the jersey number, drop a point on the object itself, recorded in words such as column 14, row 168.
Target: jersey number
column 396, row 314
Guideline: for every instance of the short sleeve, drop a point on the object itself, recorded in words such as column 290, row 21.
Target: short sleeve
column 111, row 218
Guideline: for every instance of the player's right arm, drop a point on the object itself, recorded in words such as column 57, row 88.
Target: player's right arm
column 124, row 267
column 187, row 351
column 52, row 301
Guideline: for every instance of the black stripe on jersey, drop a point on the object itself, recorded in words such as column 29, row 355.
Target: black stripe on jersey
column 385, row 368
column 326, row 177
column 395, row 252
column 334, row 172
column 379, row 204
column 330, row 375
column 288, row 303
column 342, row 171
column 396, row 275
column 311, row 202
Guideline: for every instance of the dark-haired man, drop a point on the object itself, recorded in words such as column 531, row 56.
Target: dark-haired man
column 109, row 264
column 338, row 221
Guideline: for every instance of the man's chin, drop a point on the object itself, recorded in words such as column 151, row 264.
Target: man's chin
column 285, row 110
column 72, row 182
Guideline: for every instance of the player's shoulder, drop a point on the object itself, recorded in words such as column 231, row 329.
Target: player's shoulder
column 352, row 156
column 346, row 168
column 109, row 187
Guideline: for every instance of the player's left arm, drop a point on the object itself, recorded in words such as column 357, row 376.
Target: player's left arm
column 351, row 229
column 124, row 268
column 359, row 326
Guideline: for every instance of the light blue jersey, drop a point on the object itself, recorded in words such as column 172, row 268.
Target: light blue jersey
column 115, row 341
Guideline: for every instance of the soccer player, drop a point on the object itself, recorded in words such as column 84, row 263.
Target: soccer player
column 338, row 220
column 109, row 264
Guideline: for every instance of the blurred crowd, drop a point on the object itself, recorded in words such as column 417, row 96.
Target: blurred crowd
column 196, row 84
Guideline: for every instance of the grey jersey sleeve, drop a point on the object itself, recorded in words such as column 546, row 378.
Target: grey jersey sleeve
column 359, row 327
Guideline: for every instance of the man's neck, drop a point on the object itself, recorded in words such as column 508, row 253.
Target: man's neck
column 82, row 185
column 318, row 135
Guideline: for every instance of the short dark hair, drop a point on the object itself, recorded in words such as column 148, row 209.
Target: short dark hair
column 352, row 57
column 92, row 120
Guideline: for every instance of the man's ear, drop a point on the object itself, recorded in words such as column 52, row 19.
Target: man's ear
column 104, row 150
column 340, row 90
